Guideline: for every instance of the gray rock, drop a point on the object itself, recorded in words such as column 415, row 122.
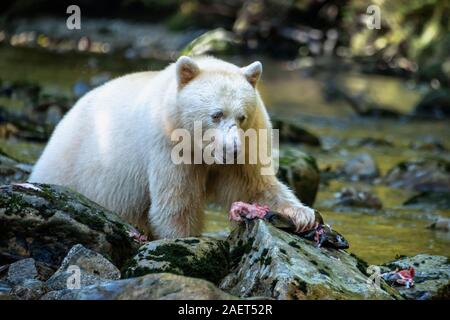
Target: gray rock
column 45, row 222
column 357, row 198
column 441, row 224
column 12, row 170
column 5, row 290
column 93, row 268
column 203, row 257
column 291, row 132
column 22, row 270
column 432, row 276
column 428, row 144
column 435, row 104
column 30, row 289
column 435, row 200
column 369, row 142
column 269, row 262
column 299, row 171
column 163, row 286
column 431, row 175
column 360, row 167
column 66, row 280
column 91, row 262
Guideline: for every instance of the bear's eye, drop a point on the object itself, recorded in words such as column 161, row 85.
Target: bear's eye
column 217, row 116
column 242, row 118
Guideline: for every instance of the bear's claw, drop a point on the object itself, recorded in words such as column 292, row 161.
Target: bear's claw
column 241, row 210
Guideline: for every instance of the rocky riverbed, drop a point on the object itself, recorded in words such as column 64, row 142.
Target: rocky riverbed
column 56, row 244
column 384, row 183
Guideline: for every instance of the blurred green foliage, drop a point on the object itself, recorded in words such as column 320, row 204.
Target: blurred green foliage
column 414, row 35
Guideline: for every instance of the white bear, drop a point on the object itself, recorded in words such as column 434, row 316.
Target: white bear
column 114, row 146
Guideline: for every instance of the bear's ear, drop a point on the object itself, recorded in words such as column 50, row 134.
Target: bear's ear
column 186, row 69
column 252, row 72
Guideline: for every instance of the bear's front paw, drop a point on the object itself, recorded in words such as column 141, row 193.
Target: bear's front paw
column 303, row 217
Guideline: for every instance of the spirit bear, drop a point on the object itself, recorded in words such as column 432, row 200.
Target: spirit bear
column 115, row 147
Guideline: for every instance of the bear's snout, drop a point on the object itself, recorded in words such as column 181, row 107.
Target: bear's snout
column 232, row 146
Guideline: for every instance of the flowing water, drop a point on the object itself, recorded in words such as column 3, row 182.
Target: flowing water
column 375, row 235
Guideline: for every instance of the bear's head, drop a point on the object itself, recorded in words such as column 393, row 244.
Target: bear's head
column 220, row 100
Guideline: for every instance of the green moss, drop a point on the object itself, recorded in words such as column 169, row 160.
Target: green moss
column 360, row 264
column 443, row 293
column 211, row 265
column 322, row 271
column 302, row 286
column 312, row 162
column 240, row 250
column 264, row 252
column 14, row 204
column 294, row 244
column 91, row 220
column 264, row 258
column 188, row 241
column 273, row 284
column 267, row 261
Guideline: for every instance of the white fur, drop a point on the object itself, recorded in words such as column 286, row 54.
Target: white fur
column 114, row 147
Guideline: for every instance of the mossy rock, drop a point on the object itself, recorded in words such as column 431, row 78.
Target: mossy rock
column 203, row 257
column 217, row 41
column 272, row 263
column 359, row 167
column 44, row 221
column 435, row 104
column 291, row 132
column 13, row 171
column 438, row 200
column 300, row 172
column 24, row 152
column 426, row 175
column 160, row 286
column 27, row 128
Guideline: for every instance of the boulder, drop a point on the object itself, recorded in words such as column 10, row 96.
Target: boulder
column 162, row 286
column 300, row 172
column 25, row 127
column 441, row 224
column 21, row 270
column 12, row 170
column 291, row 132
column 91, row 262
column 270, row 262
column 435, row 104
column 203, row 257
column 5, row 290
column 431, row 175
column 357, row 198
column 360, row 167
column 369, row 142
column 428, row 144
column 92, row 268
column 432, row 276
column 22, row 152
column 434, row 200
column 45, row 221
column 30, row 289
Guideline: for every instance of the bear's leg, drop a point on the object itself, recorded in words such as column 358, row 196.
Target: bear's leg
column 177, row 201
